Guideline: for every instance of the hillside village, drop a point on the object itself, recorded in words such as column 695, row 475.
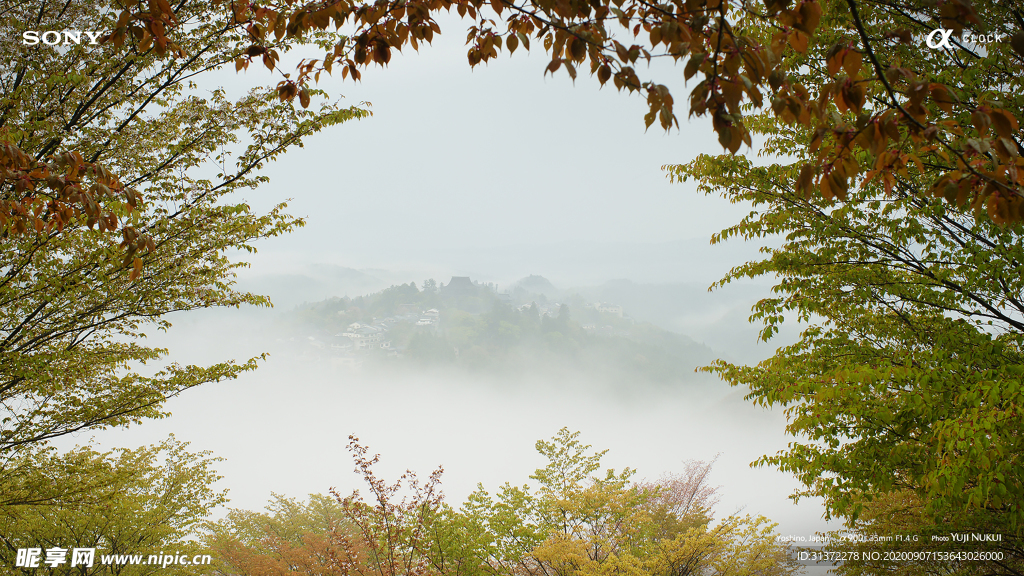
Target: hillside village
column 473, row 324
column 374, row 336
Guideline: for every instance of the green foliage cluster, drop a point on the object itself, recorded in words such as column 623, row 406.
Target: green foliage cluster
column 907, row 380
column 72, row 317
column 290, row 537
column 574, row 521
column 73, row 313
column 151, row 500
column 76, row 302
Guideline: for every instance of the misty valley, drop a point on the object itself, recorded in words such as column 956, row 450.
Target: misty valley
column 468, row 377
column 511, row 288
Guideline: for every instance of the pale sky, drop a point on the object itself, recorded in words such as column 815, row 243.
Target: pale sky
column 458, row 163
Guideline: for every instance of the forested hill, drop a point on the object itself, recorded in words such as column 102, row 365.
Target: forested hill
column 471, row 326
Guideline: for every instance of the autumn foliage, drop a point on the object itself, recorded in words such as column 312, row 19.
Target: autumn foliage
column 46, row 196
column 575, row 523
column 881, row 112
column 876, row 116
column 337, row 535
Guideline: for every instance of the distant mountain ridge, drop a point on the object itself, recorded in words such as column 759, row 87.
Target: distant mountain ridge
column 318, row 282
column 718, row 319
column 537, row 285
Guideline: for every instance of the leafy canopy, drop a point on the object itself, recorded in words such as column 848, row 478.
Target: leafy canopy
column 908, row 378
column 75, row 302
column 150, row 500
column 882, row 102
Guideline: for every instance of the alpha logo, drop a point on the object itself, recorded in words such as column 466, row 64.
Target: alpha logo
column 63, row 38
column 943, row 42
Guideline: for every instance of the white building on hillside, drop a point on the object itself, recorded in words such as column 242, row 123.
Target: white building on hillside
column 364, row 337
column 609, row 308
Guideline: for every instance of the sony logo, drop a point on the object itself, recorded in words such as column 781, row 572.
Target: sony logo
column 53, row 38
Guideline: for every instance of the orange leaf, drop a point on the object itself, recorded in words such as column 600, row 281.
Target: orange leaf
column 852, row 62
column 810, row 16
column 1004, row 123
column 835, row 61
column 981, row 121
column 798, row 41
